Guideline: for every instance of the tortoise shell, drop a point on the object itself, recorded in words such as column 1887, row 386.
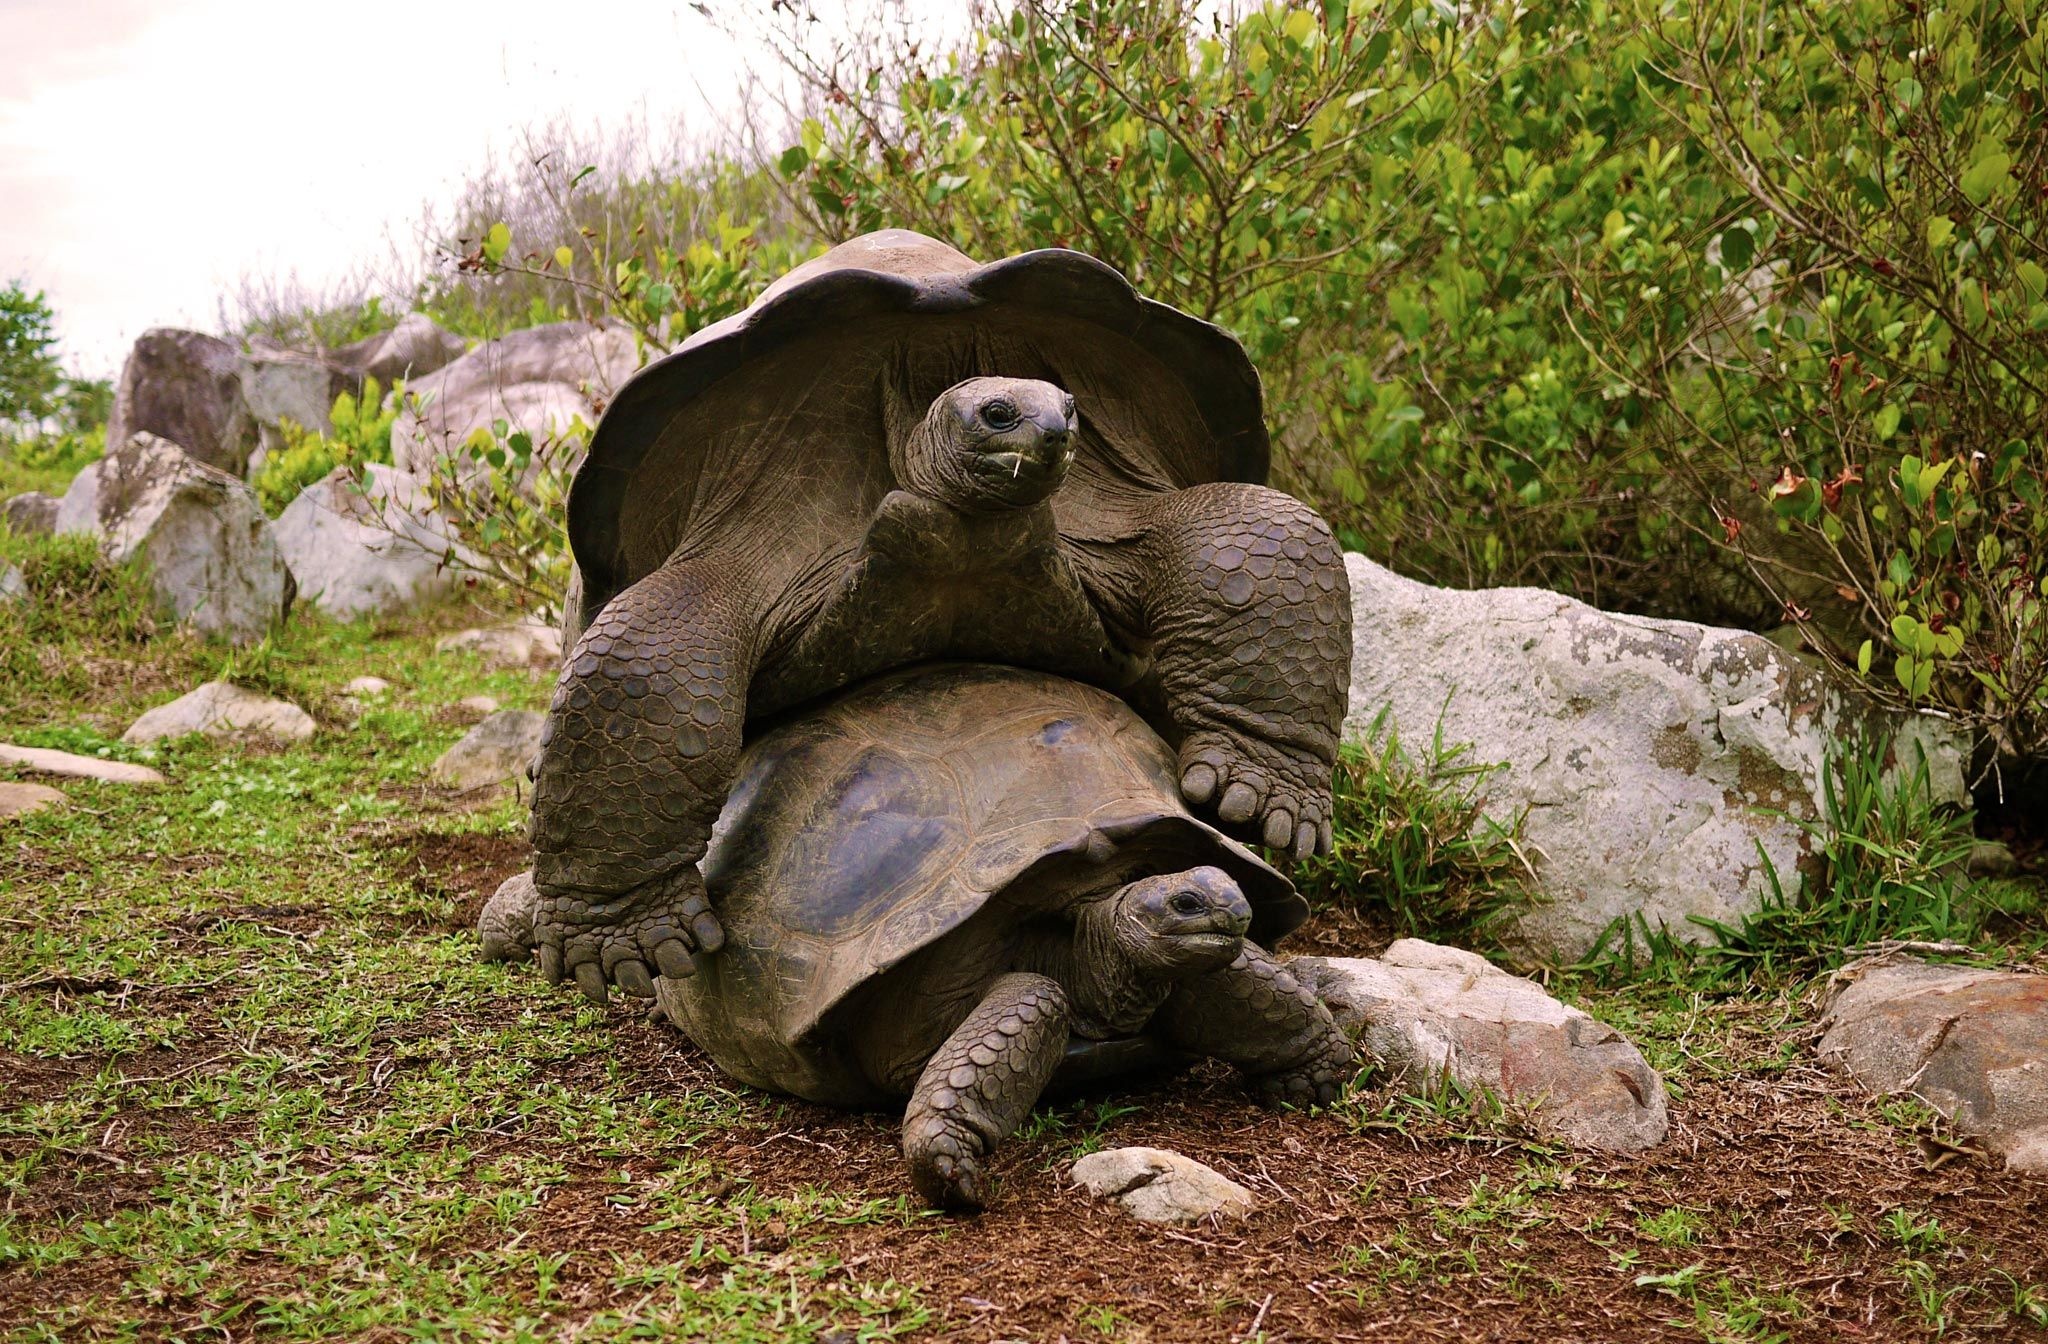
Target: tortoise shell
column 775, row 423
column 860, row 833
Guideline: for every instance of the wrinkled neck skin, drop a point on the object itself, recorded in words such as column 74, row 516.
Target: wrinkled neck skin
column 1108, row 992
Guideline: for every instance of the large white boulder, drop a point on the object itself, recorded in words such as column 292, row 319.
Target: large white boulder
column 212, row 558
column 280, row 385
column 366, row 546
column 1424, row 1013
column 1657, row 763
column 185, row 386
column 541, row 380
column 1970, row 1042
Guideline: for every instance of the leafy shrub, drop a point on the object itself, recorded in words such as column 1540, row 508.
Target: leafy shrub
column 361, row 435
column 1412, row 843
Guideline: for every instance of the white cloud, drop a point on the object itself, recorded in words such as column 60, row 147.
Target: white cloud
column 151, row 155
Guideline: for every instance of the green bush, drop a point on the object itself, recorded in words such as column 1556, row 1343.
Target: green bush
column 71, row 597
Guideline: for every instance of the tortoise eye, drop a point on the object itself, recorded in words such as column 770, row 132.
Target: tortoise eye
column 1186, row 903
column 1000, row 414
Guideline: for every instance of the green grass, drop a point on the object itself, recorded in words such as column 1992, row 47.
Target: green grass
column 345, row 1124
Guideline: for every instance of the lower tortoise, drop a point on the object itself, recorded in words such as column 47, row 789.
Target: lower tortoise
column 960, row 883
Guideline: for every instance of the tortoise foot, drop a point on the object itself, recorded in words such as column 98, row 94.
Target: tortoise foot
column 1267, row 791
column 627, row 940
column 945, row 1169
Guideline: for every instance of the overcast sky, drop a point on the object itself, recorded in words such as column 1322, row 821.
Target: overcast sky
column 153, row 154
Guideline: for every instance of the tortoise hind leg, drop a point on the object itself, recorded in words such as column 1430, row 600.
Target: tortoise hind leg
column 1253, row 1013
column 980, row 1085
column 1241, row 592
column 641, row 742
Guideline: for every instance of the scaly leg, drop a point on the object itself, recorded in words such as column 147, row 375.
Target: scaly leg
column 1253, row 1013
column 980, row 1085
column 641, row 743
column 1241, row 592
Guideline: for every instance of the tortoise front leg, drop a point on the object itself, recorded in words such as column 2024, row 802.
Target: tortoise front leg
column 1241, row 592
column 980, row 1085
column 1254, row 1014
column 641, row 743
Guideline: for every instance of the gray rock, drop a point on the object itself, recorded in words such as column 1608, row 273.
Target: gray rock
column 212, row 558
column 1424, row 1012
column 185, row 386
column 494, row 752
column 522, row 644
column 478, row 704
column 1156, row 1185
column 542, row 380
column 366, row 687
column 1646, row 753
column 44, row 761
column 280, row 385
column 221, row 709
column 365, row 547
column 417, row 346
column 18, row 800
column 30, row 515
column 12, row 584
column 1971, row 1043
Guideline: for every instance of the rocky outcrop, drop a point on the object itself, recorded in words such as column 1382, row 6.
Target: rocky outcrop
column 1652, row 760
column 29, row 515
column 1970, row 1042
column 211, row 554
column 186, row 387
column 364, row 547
column 494, row 752
column 541, row 380
column 1158, row 1185
column 417, row 346
column 221, row 709
column 1424, row 1013
column 212, row 559
column 69, row 765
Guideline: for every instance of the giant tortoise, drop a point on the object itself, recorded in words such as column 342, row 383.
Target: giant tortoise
column 955, row 880
column 898, row 455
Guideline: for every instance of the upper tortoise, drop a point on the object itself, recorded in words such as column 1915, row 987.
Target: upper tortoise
column 898, row 455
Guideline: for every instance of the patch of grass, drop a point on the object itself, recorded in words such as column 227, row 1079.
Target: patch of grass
column 1413, row 841
column 47, row 463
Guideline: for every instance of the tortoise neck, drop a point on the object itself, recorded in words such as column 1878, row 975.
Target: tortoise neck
column 1110, row 993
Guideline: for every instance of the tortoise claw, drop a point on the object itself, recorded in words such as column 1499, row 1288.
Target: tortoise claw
column 590, row 979
column 673, row 957
column 632, row 977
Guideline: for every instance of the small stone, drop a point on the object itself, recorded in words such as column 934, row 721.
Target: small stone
column 43, row 760
column 12, row 585
column 1422, row 1010
column 1156, row 1185
column 524, row 644
column 365, row 687
column 222, row 709
column 1970, row 1042
column 18, row 800
column 478, row 704
column 494, row 752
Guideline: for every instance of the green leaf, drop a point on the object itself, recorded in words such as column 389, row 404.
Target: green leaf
column 1738, row 249
column 1939, row 230
column 1986, row 176
column 564, row 258
column 497, row 242
column 1863, row 657
column 793, row 161
column 1886, row 422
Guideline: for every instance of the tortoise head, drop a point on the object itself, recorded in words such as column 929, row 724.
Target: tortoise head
column 1180, row 924
column 987, row 445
